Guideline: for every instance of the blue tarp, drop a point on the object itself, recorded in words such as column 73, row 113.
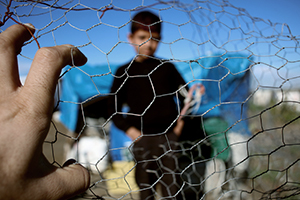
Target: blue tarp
column 119, row 143
column 80, row 84
column 226, row 81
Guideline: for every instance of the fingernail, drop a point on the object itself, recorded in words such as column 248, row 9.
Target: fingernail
column 78, row 58
column 69, row 162
column 29, row 25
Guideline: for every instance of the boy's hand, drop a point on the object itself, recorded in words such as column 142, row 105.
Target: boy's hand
column 178, row 128
column 133, row 133
column 25, row 114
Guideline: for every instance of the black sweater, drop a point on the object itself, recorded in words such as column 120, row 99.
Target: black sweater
column 149, row 90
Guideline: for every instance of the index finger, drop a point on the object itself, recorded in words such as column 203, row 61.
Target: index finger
column 11, row 42
column 40, row 84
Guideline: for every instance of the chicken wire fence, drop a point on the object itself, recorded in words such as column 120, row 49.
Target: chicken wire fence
column 241, row 106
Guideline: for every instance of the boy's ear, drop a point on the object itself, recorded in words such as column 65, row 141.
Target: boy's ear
column 129, row 37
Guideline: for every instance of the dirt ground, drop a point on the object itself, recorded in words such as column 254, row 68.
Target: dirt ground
column 268, row 171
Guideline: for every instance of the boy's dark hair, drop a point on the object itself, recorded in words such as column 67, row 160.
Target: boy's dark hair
column 145, row 20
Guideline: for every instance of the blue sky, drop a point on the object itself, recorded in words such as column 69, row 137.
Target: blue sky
column 105, row 40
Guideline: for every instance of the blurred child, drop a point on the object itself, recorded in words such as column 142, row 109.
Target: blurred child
column 149, row 87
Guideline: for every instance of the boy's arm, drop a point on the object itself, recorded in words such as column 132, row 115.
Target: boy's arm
column 116, row 101
column 179, row 82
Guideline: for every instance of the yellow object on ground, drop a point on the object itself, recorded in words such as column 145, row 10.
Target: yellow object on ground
column 120, row 179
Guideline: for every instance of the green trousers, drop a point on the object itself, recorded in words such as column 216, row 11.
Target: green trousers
column 215, row 128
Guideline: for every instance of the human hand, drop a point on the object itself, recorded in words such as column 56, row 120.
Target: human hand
column 133, row 133
column 25, row 118
column 178, row 128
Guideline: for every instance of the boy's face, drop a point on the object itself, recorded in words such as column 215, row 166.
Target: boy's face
column 143, row 44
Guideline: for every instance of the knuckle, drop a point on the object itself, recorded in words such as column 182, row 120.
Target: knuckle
column 60, row 55
column 6, row 43
column 49, row 54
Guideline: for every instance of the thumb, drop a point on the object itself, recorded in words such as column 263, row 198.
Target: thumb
column 72, row 179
